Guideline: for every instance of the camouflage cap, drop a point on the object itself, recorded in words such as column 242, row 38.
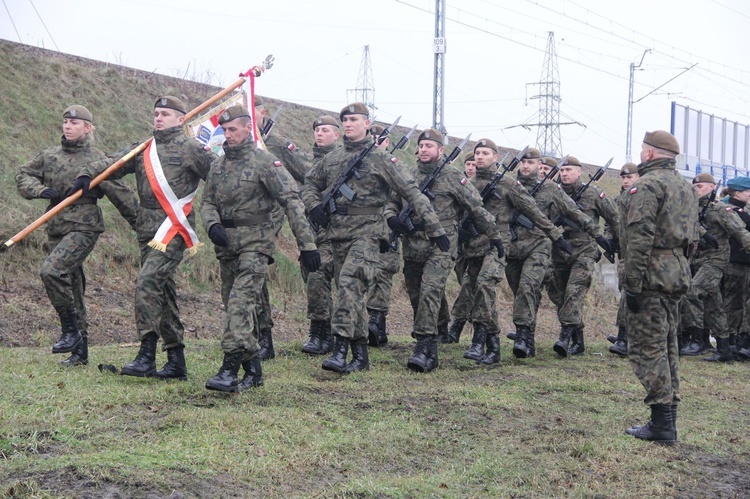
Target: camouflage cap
column 662, row 140
column 532, row 153
column 739, row 184
column 376, row 130
column 485, row 143
column 628, row 168
column 169, row 102
column 469, row 157
column 549, row 161
column 704, row 177
column 356, row 108
column 431, row 134
column 325, row 120
column 573, row 161
column 77, row 112
column 232, row 113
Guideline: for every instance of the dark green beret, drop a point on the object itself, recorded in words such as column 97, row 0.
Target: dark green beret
column 431, row 134
column 532, row 153
column 468, row 158
column 77, row 112
column 573, row 161
column 356, row 108
column 662, row 140
column 549, row 161
column 169, row 102
column 232, row 113
column 485, row 143
column 325, row 120
column 376, row 130
column 702, row 177
column 628, row 168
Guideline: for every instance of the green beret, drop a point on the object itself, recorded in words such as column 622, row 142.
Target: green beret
column 662, row 140
column 485, row 143
column 376, row 130
column 232, row 113
column 356, row 108
column 549, row 161
column 739, row 184
column 573, row 161
column 77, row 112
column 325, row 120
column 431, row 134
column 703, row 177
column 468, row 158
column 169, row 102
column 532, row 153
column 628, row 168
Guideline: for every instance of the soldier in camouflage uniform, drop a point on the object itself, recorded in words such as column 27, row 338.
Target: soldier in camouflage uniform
column 659, row 227
column 572, row 273
column 241, row 190
column 426, row 268
column 319, row 301
column 356, row 229
column 73, row 233
column 484, row 267
column 529, row 254
column 184, row 162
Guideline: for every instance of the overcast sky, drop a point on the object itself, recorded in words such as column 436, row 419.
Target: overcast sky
column 494, row 49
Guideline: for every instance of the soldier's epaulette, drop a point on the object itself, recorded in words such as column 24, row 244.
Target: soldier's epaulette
column 277, row 163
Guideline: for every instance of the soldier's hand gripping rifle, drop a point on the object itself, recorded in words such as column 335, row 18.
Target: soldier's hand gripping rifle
column 404, row 216
column 339, row 187
column 707, row 240
column 403, row 140
column 270, row 123
column 521, row 219
column 466, row 223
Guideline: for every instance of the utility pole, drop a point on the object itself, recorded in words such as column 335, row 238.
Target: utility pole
column 438, row 97
column 365, row 91
column 629, row 134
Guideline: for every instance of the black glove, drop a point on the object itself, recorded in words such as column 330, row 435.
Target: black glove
column 708, row 241
column 397, row 226
column 615, row 244
column 310, row 259
column 605, row 244
column 563, row 245
column 633, row 301
column 442, row 242
column 318, row 215
column 385, row 247
column 464, row 236
column 598, row 256
column 498, row 243
column 80, row 183
column 218, row 235
column 51, row 194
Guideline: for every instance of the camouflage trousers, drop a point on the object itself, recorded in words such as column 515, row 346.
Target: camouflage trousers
column 319, row 287
column 461, row 308
column 622, row 309
column 425, row 284
column 243, row 280
column 379, row 296
column 62, row 273
column 703, row 307
column 156, row 294
column 736, row 293
column 525, row 276
column 652, row 347
column 571, row 283
column 354, row 261
column 482, row 277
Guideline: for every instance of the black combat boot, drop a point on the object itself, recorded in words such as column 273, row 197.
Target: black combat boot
column 443, row 335
column 71, row 336
column 175, row 367
column 697, row 344
column 316, row 337
column 621, row 345
column 425, row 356
column 266, row 345
column 612, row 338
column 375, row 325
column 144, row 364
column 476, row 350
column 577, row 346
column 360, row 358
column 512, row 335
column 454, row 333
column 253, row 375
column 337, row 361
column 743, row 347
column 661, row 429
column 226, row 379
column 723, row 352
column 521, row 347
column 383, row 339
column 80, row 356
column 563, row 342
column 531, row 343
column 326, row 339
column 492, row 355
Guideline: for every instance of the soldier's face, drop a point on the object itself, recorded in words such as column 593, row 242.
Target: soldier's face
column 629, row 180
column 355, row 126
column 529, row 167
column 470, row 169
column 325, row 135
column 646, row 153
column 570, row 174
column 75, row 129
column 543, row 170
column 236, row 131
column 484, row 157
column 741, row 196
column 703, row 188
column 429, row 151
column 167, row 118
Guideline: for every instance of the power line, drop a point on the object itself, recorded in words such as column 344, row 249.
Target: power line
column 729, row 8
column 45, row 26
column 12, row 22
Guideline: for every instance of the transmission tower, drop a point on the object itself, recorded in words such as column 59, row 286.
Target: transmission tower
column 438, row 98
column 365, row 91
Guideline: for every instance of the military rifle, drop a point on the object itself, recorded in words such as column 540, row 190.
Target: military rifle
column 407, row 212
column 339, row 187
column 270, row 123
column 521, row 219
column 711, row 200
column 403, row 140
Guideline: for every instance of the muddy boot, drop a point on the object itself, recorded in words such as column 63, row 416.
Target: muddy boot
column 316, row 335
column 266, row 345
column 563, row 341
column 360, row 358
column 144, row 364
column 253, row 375
column 454, row 333
column 326, row 339
column 661, row 429
column 723, row 352
column 443, row 333
column 577, row 346
column 492, row 355
column 71, row 336
column 521, row 348
column 476, row 350
column 621, row 345
column 80, row 356
column 337, row 361
column 425, row 356
column 374, row 327
column 697, row 345
column 175, row 367
column 226, row 379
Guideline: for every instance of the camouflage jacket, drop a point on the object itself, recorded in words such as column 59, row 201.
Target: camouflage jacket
column 453, row 194
column 510, row 196
column 660, row 222
column 736, row 253
column 319, row 152
column 294, row 159
column 242, row 188
column 595, row 204
column 184, row 161
column 379, row 174
column 723, row 223
column 56, row 168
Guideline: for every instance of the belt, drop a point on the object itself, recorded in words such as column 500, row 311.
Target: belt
column 359, row 210
column 445, row 222
column 575, row 233
column 151, row 204
column 667, row 251
column 233, row 223
column 83, row 200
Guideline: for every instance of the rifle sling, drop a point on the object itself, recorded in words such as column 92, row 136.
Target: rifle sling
column 233, row 223
column 358, row 210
